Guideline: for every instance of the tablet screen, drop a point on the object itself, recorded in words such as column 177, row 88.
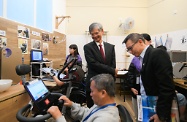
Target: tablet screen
column 37, row 89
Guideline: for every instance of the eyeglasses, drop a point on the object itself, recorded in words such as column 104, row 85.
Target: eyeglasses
column 131, row 47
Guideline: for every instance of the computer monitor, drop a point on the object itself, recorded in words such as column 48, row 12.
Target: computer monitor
column 36, row 56
column 178, row 56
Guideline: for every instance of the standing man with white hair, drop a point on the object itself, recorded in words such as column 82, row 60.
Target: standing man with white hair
column 100, row 57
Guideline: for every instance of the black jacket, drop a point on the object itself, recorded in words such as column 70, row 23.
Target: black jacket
column 157, row 79
column 96, row 64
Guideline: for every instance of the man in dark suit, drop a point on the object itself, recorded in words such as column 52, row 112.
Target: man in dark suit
column 100, row 57
column 156, row 75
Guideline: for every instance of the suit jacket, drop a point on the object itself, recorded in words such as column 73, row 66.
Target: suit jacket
column 157, row 79
column 96, row 64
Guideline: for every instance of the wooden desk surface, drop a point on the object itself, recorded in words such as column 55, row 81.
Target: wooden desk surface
column 50, row 84
column 180, row 83
column 12, row 91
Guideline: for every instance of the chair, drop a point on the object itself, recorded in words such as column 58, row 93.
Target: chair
column 124, row 114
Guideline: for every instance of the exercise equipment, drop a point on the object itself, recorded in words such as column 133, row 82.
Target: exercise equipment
column 42, row 99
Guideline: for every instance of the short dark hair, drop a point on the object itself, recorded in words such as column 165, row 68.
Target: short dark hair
column 146, row 36
column 134, row 37
column 162, row 47
column 74, row 46
column 105, row 82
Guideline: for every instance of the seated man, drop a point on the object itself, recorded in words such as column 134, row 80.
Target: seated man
column 182, row 106
column 104, row 108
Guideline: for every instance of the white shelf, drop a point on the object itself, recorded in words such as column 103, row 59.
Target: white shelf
column 50, row 63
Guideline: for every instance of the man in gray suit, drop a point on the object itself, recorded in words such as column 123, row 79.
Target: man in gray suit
column 100, row 57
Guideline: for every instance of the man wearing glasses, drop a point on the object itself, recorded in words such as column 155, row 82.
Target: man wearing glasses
column 134, row 75
column 156, row 74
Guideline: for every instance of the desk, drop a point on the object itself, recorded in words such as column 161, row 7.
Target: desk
column 11, row 101
column 50, row 84
column 123, row 83
column 180, row 83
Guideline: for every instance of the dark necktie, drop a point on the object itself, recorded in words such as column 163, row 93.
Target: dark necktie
column 102, row 52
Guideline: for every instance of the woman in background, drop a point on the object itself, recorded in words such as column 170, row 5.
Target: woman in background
column 73, row 53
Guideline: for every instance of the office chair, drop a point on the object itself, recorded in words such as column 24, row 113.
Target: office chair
column 124, row 114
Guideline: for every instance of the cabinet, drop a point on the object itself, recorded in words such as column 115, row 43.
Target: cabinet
column 36, row 66
column 11, row 101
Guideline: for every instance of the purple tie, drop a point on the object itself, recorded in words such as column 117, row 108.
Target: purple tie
column 102, row 52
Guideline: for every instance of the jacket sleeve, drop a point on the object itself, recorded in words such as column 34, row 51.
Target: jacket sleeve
column 113, row 57
column 77, row 111
column 96, row 65
column 132, row 75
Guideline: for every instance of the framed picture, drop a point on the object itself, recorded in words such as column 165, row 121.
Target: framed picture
column 35, row 44
column 23, row 32
column 3, row 42
column 45, row 37
column 23, row 45
column 45, row 49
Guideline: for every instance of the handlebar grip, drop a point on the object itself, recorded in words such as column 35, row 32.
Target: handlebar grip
column 22, row 118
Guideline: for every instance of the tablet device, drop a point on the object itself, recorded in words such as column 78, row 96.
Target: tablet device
column 39, row 94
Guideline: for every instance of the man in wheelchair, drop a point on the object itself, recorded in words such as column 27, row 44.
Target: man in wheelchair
column 104, row 108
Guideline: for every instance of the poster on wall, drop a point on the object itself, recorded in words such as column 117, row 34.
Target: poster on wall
column 167, row 42
column 176, row 40
column 35, row 44
column 23, row 45
column 45, row 37
column 3, row 42
column 23, row 32
column 45, row 49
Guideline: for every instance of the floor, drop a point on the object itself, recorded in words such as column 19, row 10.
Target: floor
column 128, row 100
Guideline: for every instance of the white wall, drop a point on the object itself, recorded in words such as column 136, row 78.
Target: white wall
column 59, row 9
column 166, row 16
column 108, row 13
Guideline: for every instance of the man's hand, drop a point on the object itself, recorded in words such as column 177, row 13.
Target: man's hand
column 52, row 73
column 155, row 118
column 135, row 92
column 67, row 102
column 55, row 112
column 116, row 72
